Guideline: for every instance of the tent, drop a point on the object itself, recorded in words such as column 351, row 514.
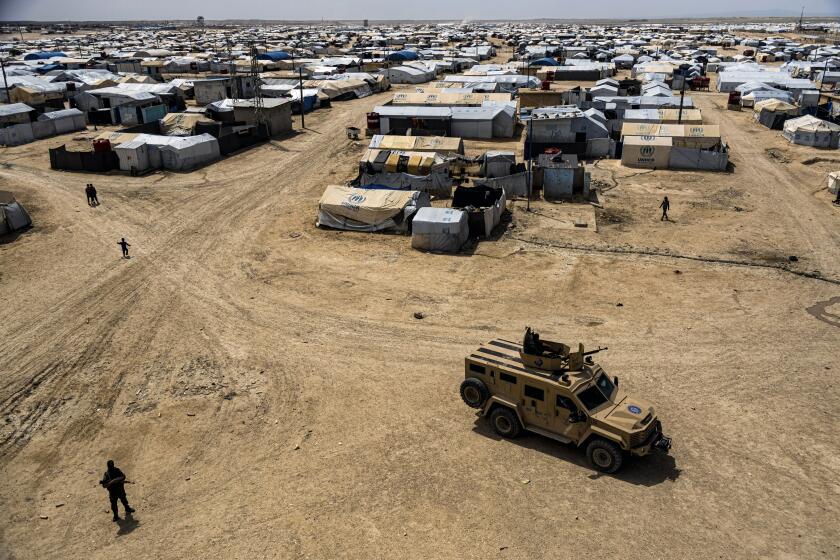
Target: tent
column 834, row 182
column 369, row 209
column 13, row 216
column 44, row 55
column 402, row 56
column 772, row 113
column 811, row 131
column 544, row 62
column 439, row 229
column 63, row 121
column 274, row 56
column 179, row 153
column 646, row 151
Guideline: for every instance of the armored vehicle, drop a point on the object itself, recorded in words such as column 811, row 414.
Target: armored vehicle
column 546, row 388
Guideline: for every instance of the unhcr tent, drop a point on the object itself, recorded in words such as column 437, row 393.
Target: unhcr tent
column 811, row 131
column 13, row 216
column 369, row 209
column 439, row 229
column 646, row 151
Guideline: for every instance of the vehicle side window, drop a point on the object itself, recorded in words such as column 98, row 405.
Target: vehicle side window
column 507, row 378
column 534, row 393
column 477, row 369
column 566, row 402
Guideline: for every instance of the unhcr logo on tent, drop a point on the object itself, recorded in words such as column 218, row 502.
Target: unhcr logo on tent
column 353, row 201
column 647, row 151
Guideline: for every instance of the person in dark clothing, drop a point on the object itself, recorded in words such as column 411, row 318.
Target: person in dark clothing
column 114, row 482
column 88, row 194
column 92, row 195
column 124, row 244
column 665, row 206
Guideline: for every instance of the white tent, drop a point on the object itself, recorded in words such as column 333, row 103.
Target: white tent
column 811, row 131
column 179, row 153
column 439, row 229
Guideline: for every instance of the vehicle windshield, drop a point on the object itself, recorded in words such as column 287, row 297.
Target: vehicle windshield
column 605, row 385
column 596, row 395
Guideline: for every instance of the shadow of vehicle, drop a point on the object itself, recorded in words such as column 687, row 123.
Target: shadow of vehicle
column 650, row 470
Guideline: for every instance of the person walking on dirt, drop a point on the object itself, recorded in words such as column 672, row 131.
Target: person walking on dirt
column 114, row 482
column 124, row 245
column 665, row 206
column 89, row 194
column 92, row 195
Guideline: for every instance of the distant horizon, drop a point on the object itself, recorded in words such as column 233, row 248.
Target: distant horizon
column 315, row 11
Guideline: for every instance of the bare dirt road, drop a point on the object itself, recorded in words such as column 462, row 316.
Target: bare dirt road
column 265, row 384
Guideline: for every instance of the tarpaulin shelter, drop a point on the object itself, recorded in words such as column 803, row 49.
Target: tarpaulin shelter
column 369, row 209
column 274, row 56
column 440, row 230
column 544, row 62
column 44, row 55
column 13, row 216
column 402, row 56
column 484, row 207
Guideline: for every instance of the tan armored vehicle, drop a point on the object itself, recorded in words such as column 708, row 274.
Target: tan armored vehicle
column 545, row 388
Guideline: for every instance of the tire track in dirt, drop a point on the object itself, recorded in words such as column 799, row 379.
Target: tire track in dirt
column 230, row 204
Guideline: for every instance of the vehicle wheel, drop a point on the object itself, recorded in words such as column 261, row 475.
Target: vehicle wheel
column 604, row 455
column 505, row 423
column 474, row 392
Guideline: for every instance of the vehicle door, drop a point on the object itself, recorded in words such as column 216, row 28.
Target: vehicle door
column 534, row 406
column 563, row 406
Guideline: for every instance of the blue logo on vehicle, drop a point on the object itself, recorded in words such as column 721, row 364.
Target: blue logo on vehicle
column 634, row 409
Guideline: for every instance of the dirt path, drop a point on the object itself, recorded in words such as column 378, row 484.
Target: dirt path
column 266, row 386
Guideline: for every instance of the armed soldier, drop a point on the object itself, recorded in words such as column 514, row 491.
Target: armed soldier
column 114, row 481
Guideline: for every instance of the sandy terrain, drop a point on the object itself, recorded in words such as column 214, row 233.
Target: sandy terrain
column 265, row 384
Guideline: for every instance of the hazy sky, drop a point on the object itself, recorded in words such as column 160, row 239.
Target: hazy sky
column 57, row 10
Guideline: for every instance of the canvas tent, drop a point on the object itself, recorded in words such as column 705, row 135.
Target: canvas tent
column 646, row 151
column 811, row 131
column 178, row 153
column 442, row 230
column 773, row 113
column 369, row 209
column 13, row 216
column 442, row 144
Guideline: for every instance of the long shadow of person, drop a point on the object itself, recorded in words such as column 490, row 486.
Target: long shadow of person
column 127, row 525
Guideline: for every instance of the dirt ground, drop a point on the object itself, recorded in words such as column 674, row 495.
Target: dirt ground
column 267, row 388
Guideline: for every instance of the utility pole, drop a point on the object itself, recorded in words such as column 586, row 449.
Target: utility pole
column 682, row 98
column 234, row 86
column 300, row 82
column 259, row 114
column 530, row 157
column 5, row 83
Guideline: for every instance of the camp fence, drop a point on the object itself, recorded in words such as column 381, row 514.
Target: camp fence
column 62, row 158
